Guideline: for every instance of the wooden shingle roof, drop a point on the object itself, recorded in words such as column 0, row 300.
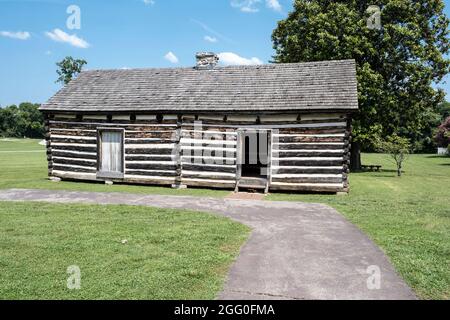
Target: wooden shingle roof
column 325, row 85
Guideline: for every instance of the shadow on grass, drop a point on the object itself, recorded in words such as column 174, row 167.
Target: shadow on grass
column 373, row 172
column 390, row 170
column 437, row 156
column 383, row 173
column 388, row 175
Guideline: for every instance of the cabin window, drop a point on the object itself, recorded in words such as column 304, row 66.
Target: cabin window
column 110, row 155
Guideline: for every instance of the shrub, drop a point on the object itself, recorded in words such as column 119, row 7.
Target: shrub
column 398, row 148
column 442, row 136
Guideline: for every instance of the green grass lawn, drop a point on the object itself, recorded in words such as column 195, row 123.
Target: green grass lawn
column 408, row 217
column 170, row 254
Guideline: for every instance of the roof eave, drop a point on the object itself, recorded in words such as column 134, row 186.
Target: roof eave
column 199, row 111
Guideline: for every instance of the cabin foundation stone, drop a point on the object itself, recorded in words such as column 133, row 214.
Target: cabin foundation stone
column 54, row 179
column 179, row 186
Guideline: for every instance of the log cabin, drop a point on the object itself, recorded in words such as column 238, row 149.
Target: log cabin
column 261, row 127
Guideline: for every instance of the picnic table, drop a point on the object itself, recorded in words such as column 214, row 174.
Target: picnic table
column 371, row 167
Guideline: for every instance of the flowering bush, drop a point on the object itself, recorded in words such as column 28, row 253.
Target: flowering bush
column 442, row 136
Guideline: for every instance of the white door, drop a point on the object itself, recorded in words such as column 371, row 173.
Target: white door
column 111, row 152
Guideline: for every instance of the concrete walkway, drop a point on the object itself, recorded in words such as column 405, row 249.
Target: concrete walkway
column 296, row 250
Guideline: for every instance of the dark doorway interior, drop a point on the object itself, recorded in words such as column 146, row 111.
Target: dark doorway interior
column 255, row 154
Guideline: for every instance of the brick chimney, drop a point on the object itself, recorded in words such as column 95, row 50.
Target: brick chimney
column 206, row 60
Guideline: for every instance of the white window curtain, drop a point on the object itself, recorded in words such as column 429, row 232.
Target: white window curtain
column 111, row 151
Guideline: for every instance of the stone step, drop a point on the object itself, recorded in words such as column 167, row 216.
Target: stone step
column 252, row 183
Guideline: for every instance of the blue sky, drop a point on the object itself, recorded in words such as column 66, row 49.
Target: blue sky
column 127, row 34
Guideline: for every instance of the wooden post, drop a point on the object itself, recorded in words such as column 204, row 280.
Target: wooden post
column 177, row 151
column 269, row 161
column 239, row 143
column 347, row 153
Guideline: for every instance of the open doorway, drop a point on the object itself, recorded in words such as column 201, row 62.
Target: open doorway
column 255, row 153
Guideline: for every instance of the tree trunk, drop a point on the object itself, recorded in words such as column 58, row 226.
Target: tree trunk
column 355, row 157
column 399, row 170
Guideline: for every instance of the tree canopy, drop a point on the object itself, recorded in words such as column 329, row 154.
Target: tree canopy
column 397, row 64
column 68, row 68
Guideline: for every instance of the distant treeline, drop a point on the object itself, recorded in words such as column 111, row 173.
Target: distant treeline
column 21, row 121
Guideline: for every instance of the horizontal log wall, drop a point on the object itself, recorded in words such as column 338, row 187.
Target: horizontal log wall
column 311, row 156
column 208, row 152
column 148, row 147
column 310, row 152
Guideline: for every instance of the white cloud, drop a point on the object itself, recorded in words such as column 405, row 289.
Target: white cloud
column 48, row 52
column 249, row 9
column 60, row 36
column 210, row 39
column 20, row 35
column 245, row 5
column 230, row 58
column 274, row 5
column 149, row 2
column 171, row 57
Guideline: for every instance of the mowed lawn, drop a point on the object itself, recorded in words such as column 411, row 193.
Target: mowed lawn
column 169, row 254
column 408, row 217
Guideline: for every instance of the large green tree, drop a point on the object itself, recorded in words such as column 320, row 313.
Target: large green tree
column 397, row 64
column 69, row 68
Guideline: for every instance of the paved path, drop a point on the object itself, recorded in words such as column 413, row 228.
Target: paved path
column 296, row 250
